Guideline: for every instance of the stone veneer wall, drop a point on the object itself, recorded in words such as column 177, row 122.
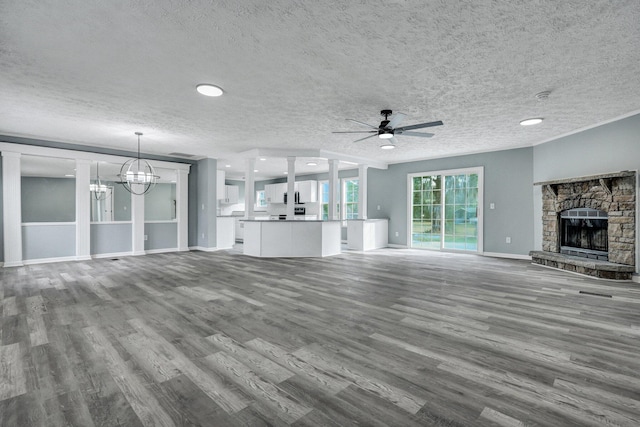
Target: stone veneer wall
column 590, row 193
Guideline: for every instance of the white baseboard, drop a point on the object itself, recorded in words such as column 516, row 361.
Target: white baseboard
column 203, row 249
column 394, row 246
column 503, row 255
column 83, row 258
column 635, row 277
column 112, row 255
column 48, row 260
column 138, row 253
column 160, row 251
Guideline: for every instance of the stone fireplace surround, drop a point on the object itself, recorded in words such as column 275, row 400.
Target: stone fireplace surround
column 614, row 193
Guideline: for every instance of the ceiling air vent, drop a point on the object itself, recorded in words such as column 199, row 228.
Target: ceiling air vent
column 185, row 155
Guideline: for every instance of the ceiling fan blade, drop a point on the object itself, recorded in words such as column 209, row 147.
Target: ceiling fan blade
column 395, row 120
column 410, row 133
column 363, row 123
column 366, row 137
column 357, row 131
column 421, row 125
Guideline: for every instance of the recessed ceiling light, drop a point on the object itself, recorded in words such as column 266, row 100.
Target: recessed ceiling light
column 70, row 175
column 227, row 166
column 312, row 163
column 262, row 159
column 255, row 170
column 530, row 122
column 286, row 173
column 209, row 90
column 387, row 146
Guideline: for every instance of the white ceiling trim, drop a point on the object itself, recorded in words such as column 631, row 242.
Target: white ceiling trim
column 34, row 150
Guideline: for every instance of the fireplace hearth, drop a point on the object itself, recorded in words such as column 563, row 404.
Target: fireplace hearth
column 589, row 225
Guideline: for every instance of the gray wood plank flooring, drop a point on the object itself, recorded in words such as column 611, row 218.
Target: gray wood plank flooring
column 384, row 338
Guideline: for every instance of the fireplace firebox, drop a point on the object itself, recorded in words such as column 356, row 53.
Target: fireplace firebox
column 584, row 232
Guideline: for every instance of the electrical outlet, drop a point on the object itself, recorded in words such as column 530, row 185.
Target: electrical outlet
column 146, row 237
column 492, row 205
column 203, row 235
column 397, row 234
column 203, row 206
column 378, row 207
column 508, row 239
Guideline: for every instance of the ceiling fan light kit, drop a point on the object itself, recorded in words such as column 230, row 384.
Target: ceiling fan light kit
column 388, row 128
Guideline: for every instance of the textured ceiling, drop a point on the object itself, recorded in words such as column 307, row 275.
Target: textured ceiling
column 93, row 72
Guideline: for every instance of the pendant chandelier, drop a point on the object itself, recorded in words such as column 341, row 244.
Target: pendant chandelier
column 97, row 188
column 137, row 175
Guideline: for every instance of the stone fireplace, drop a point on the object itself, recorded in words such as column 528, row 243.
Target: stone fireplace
column 588, row 225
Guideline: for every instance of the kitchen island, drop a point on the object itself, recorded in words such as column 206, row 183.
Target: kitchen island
column 290, row 239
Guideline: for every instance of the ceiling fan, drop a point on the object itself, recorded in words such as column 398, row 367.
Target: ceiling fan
column 389, row 128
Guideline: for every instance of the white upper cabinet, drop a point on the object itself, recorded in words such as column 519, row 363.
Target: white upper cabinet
column 231, row 194
column 220, row 177
column 226, row 194
column 274, row 193
column 308, row 191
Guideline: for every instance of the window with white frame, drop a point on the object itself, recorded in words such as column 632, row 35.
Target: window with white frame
column 446, row 209
column 323, row 190
column 261, row 200
column 349, row 198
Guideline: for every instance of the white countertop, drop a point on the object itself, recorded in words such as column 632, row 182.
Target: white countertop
column 288, row 220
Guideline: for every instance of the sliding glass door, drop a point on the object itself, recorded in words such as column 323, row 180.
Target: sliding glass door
column 446, row 210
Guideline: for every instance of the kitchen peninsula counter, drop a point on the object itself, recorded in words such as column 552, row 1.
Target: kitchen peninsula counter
column 291, row 238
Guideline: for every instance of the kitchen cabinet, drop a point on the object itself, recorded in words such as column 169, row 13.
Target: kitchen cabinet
column 308, row 191
column 274, row 193
column 220, row 177
column 225, row 232
column 231, row 194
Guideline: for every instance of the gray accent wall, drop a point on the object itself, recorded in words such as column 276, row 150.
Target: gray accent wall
column 1, row 217
column 207, row 203
column 48, row 199
column 111, row 238
column 612, row 147
column 48, row 241
column 161, row 235
column 508, row 179
column 193, row 206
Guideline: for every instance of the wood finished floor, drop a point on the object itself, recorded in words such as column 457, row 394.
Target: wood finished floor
column 391, row 337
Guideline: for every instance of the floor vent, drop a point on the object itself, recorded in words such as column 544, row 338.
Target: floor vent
column 115, row 259
column 595, row 294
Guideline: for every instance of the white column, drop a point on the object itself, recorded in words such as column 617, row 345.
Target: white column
column 137, row 224
column 182, row 208
column 334, row 182
column 362, row 191
column 249, row 189
column 83, row 209
column 291, row 186
column 12, row 209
